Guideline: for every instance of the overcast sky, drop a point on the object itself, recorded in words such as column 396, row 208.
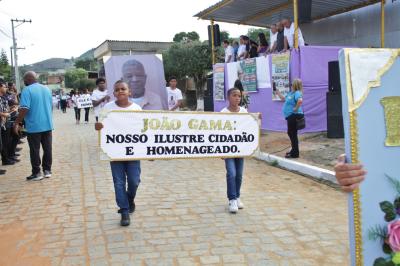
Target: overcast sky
column 62, row 28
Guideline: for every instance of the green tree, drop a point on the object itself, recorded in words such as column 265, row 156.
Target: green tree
column 188, row 60
column 5, row 68
column 224, row 35
column 179, row 36
column 192, row 36
column 87, row 64
column 72, row 75
column 84, row 83
column 43, row 78
column 253, row 33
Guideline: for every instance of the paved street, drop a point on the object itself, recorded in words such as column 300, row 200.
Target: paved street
column 181, row 216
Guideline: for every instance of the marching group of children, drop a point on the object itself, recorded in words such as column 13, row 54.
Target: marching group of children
column 126, row 174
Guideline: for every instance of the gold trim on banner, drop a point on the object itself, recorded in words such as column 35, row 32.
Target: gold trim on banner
column 372, row 84
column 354, row 159
column 356, row 193
column 255, row 116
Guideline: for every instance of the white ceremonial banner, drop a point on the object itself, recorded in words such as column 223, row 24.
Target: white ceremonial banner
column 263, row 72
column 85, row 101
column 141, row 135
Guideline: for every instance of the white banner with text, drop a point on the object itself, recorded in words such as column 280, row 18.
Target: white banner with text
column 85, row 101
column 131, row 135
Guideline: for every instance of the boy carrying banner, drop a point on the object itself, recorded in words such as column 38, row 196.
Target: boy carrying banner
column 123, row 171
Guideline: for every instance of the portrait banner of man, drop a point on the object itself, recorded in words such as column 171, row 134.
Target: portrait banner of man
column 144, row 75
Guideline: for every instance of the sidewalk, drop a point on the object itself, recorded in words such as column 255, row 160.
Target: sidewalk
column 315, row 148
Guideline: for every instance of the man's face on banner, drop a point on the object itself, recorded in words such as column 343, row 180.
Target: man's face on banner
column 135, row 77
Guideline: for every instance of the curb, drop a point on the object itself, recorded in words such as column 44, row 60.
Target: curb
column 305, row 169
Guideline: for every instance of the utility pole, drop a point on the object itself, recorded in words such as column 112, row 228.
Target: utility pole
column 16, row 72
column 12, row 60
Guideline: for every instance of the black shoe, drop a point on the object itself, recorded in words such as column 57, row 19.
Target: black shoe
column 35, row 177
column 9, row 163
column 15, row 160
column 17, row 155
column 2, row 172
column 20, row 142
column 132, row 207
column 289, row 156
column 125, row 220
column 18, row 149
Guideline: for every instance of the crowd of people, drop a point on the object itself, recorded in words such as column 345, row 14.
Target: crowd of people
column 281, row 40
column 9, row 104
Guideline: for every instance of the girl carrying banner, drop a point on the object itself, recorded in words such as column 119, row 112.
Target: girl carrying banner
column 234, row 166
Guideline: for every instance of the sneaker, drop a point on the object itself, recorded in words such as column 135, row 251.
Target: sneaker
column 125, row 219
column 35, row 177
column 132, row 207
column 239, row 204
column 233, row 208
column 10, row 162
column 47, row 173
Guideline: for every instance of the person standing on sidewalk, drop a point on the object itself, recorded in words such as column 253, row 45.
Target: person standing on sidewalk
column 123, row 171
column 292, row 110
column 3, row 115
column 99, row 97
column 36, row 109
column 6, row 128
column 234, row 166
column 174, row 95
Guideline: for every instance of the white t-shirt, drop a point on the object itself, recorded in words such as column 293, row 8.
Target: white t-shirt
column 289, row 34
column 229, row 51
column 112, row 106
column 241, row 50
column 273, row 38
column 173, row 97
column 74, row 98
column 241, row 110
column 96, row 96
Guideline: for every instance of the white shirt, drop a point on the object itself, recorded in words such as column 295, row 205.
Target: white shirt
column 241, row 110
column 173, row 97
column 241, row 50
column 74, row 100
column 273, row 38
column 112, row 106
column 229, row 51
column 289, row 34
column 96, row 96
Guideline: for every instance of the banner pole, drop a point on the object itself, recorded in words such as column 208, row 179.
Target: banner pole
column 212, row 42
column 382, row 23
column 296, row 24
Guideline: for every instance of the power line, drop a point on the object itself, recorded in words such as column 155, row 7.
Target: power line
column 2, row 31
